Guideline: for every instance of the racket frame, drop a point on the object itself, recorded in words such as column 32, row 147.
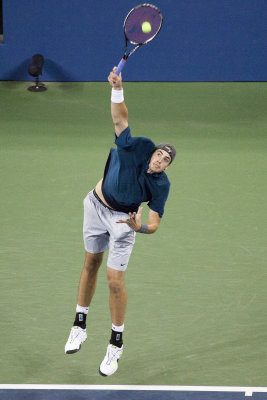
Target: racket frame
column 137, row 45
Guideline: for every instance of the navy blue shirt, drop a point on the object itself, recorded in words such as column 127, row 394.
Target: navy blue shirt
column 126, row 183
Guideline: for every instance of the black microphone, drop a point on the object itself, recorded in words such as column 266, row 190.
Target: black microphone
column 35, row 69
column 36, row 65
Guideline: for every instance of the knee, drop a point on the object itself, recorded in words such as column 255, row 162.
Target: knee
column 116, row 285
column 92, row 262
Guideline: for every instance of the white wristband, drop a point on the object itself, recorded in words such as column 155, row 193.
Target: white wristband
column 117, row 96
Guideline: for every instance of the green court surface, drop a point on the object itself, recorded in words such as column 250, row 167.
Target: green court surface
column 196, row 288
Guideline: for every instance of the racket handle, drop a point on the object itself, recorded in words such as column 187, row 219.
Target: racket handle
column 120, row 66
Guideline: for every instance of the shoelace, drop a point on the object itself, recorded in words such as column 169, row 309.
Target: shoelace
column 112, row 353
column 74, row 334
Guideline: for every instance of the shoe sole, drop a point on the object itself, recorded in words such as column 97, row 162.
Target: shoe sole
column 72, row 351
column 101, row 373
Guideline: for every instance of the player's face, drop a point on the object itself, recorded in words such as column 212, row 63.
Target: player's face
column 159, row 161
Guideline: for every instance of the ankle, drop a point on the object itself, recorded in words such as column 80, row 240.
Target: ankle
column 80, row 317
column 80, row 320
column 116, row 335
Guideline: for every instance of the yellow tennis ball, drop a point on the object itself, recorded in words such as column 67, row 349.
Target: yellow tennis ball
column 146, row 27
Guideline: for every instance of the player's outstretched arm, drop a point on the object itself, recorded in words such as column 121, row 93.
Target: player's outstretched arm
column 119, row 110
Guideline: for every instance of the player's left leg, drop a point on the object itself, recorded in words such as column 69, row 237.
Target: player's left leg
column 118, row 304
column 121, row 242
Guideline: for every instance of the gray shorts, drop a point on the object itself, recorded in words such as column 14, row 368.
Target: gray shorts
column 101, row 232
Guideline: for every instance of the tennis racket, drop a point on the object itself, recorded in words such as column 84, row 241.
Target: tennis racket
column 140, row 26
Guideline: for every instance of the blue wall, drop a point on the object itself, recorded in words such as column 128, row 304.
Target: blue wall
column 201, row 40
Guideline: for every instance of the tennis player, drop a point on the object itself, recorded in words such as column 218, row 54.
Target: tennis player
column 134, row 173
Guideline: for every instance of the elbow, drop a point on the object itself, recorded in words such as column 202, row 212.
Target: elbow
column 153, row 228
column 120, row 126
column 119, row 122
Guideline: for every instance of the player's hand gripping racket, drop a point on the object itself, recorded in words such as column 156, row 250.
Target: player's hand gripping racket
column 141, row 25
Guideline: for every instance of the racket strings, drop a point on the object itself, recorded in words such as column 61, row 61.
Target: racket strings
column 134, row 32
column 134, row 20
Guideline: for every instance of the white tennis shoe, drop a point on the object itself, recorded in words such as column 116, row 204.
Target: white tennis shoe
column 110, row 363
column 75, row 340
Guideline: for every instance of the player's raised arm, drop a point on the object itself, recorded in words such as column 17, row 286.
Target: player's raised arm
column 119, row 110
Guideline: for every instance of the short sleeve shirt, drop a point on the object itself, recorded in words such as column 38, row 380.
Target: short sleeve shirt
column 126, row 183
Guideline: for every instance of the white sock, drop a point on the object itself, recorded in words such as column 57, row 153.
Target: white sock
column 118, row 328
column 80, row 309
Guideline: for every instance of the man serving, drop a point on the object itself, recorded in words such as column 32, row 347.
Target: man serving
column 134, row 173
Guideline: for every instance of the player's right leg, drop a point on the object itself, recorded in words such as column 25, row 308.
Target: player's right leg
column 86, row 292
column 96, row 240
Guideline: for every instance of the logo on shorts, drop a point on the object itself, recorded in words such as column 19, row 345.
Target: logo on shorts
column 122, row 265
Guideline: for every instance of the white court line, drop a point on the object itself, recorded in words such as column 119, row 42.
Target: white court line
column 247, row 390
